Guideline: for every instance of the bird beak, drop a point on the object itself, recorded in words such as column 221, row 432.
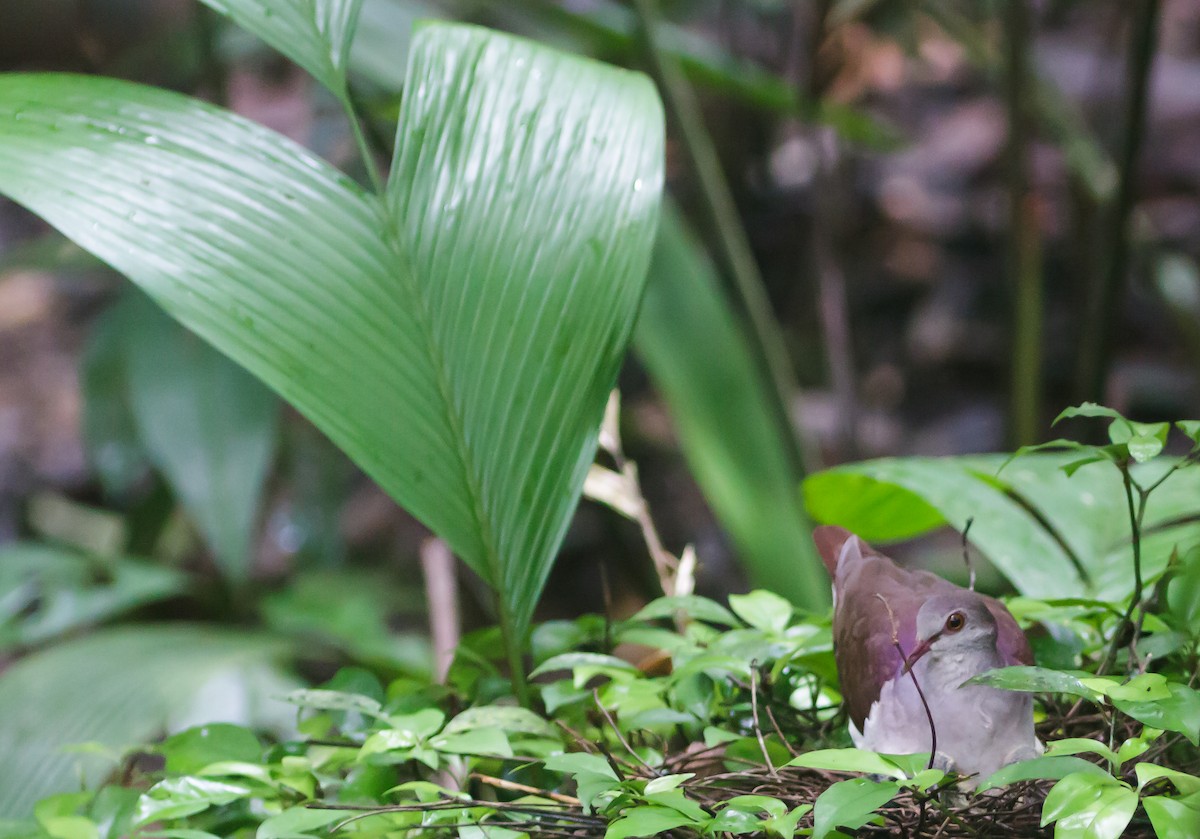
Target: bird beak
column 919, row 651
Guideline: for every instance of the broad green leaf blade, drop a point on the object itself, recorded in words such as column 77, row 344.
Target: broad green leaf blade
column 207, row 425
column 526, row 186
column 48, row 591
column 690, row 342
column 471, row 391
column 259, row 247
column 316, row 34
column 109, row 432
column 117, row 688
column 1012, row 539
column 898, row 498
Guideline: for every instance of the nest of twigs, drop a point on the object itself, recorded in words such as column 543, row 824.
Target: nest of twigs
column 942, row 811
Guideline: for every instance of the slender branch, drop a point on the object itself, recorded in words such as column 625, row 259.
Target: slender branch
column 765, row 337
column 1095, row 345
column 762, row 744
column 1024, row 242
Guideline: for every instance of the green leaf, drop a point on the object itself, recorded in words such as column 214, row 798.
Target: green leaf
column 190, row 751
column 316, row 34
column 692, row 605
column 1178, row 712
column 206, row 424
column 584, row 666
column 1185, row 783
column 176, row 798
column 1040, row 767
column 1088, row 409
column 1183, row 593
column 1190, row 429
column 482, row 741
column 50, row 591
column 850, row 804
column 483, row 312
column 109, row 432
column 1035, row 680
column 647, row 821
column 118, row 688
column 1085, row 806
column 575, row 763
column 848, row 760
column 697, row 355
column 298, row 823
column 333, row 700
column 762, row 610
column 957, row 492
column 1173, row 818
column 1078, row 745
column 507, row 718
column 582, row 142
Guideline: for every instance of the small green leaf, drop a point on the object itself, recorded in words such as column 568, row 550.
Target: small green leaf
column 1035, row 680
column 850, row 804
column 692, row 605
column 175, row 798
column 1052, row 768
column 508, row 718
column 1173, row 818
column 298, row 823
column 1180, row 712
column 762, row 610
column 1185, row 783
column 1147, row 687
column 1088, row 409
column 1085, row 806
column 663, row 783
column 584, row 666
column 574, row 763
column 848, row 760
column 482, row 741
column 647, row 821
column 1078, row 745
column 333, row 700
column 1191, row 429
column 190, row 751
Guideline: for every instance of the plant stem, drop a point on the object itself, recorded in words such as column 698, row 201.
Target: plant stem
column 360, row 141
column 1095, row 346
column 765, row 337
column 1025, row 251
column 1135, row 528
column 513, row 645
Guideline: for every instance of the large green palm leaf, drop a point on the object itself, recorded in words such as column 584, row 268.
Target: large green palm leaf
column 456, row 339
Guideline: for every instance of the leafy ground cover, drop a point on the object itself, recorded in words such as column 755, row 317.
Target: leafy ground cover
column 693, row 718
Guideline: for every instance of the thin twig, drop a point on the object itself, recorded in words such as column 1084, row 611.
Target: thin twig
column 762, row 744
column 513, row 786
column 621, row 737
column 912, row 675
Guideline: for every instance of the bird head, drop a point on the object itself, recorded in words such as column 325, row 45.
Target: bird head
column 951, row 623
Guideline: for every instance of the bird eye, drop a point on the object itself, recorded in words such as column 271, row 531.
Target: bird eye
column 955, row 622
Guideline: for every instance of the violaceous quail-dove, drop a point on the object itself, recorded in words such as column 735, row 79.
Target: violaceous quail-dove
column 946, row 635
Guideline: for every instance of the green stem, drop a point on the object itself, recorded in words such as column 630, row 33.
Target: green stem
column 360, row 141
column 1095, row 346
column 765, row 337
column 1025, row 251
column 513, row 645
column 1135, row 526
